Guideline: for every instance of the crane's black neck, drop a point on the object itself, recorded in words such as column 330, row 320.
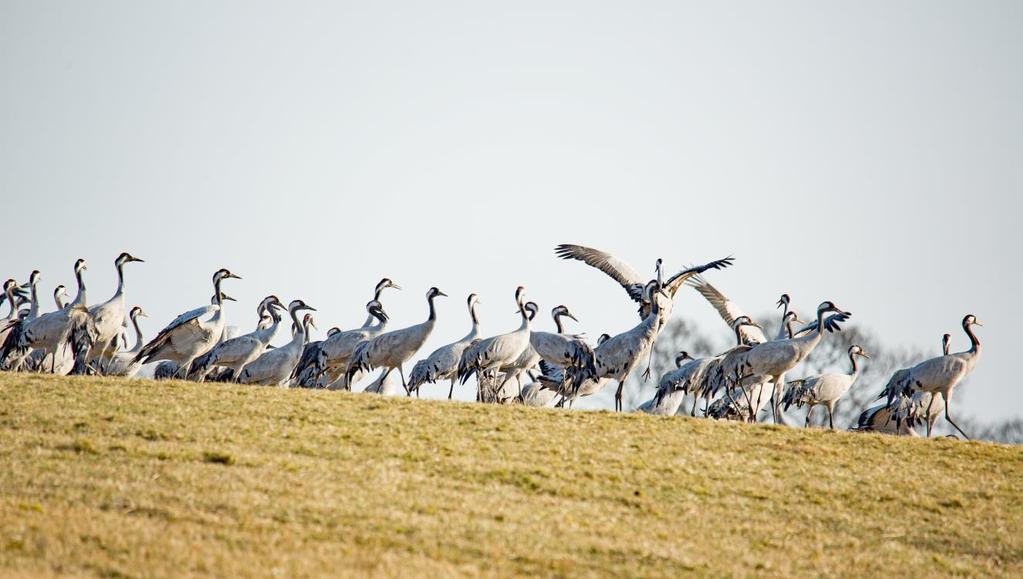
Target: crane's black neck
column 852, row 358
column 433, row 310
column 34, row 308
column 820, row 320
column 738, row 334
column 14, row 303
column 299, row 326
column 138, row 333
column 80, row 298
column 557, row 322
column 974, row 342
column 472, row 314
column 120, row 277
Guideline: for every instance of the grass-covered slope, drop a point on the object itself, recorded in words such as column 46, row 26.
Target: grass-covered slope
column 131, row 478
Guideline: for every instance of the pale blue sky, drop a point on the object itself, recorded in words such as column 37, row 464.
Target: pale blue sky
column 865, row 152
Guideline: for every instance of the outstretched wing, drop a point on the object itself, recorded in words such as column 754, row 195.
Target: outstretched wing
column 726, row 308
column 620, row 271
column 674, row 282
column 831, row 324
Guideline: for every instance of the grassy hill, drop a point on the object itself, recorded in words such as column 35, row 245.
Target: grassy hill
column 128, row 478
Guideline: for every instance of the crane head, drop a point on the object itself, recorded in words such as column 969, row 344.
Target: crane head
column 384, row 284
column 224, row 273
column 971, row 320
column 562, row 310
column 126, row 257
column 682, row 357
column 434, row 292
column 297, row 305
column 80, row 266
column 784, row 300
column 136, row 312
column 856, row 350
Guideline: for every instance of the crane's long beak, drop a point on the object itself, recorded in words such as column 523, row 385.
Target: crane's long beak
column 864, row 354
column 440, row 293
column 138, row 259
column 395, row 286
column 231, row 275
column 570, row 316
column 977, row 323
column 311, row 309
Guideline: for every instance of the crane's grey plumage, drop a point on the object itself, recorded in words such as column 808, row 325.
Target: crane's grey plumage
column 335, row 352
column 568, row 351
column 492, row 355
column 109, row 316
column 825, row 389
column 324, row 364
column 675, row 384
column 122, row 363
column 617, row 357
column 274, row 367
column 392, row 349
column 191, row 334
column 937, row 376
column 234, row 354
column 68, row 328
column 442, row 363
column 771, row 360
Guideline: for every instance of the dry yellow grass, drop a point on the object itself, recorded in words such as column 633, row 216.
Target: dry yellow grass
column 135, row 478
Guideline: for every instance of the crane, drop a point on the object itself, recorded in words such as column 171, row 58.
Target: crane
column 392, row 349
column 273, row 367
column 825, row 389
column 442, row 363
column 938, row 376
column 191, row 334
column 109, row 316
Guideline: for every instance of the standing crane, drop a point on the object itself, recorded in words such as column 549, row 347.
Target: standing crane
column 491, row 355
column 772, row 359
column 617, row 357
column 392, row 349
column 274, row 367
column 109, row 316
column 69, row 327
column 565, row 350
column 236, row 353
column 825, row 389
column 121, row 363
column 325, row 362
column 442, row 363
column 191, row 334
column 331, row 359
column 938, row 376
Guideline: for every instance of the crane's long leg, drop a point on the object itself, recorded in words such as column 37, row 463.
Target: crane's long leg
column 618, row 395
column 809, row 411
column 775, row 402
column 404, row 384
column 831, row 417
column 451, row 391
column 948, row 417
column 927, row 417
